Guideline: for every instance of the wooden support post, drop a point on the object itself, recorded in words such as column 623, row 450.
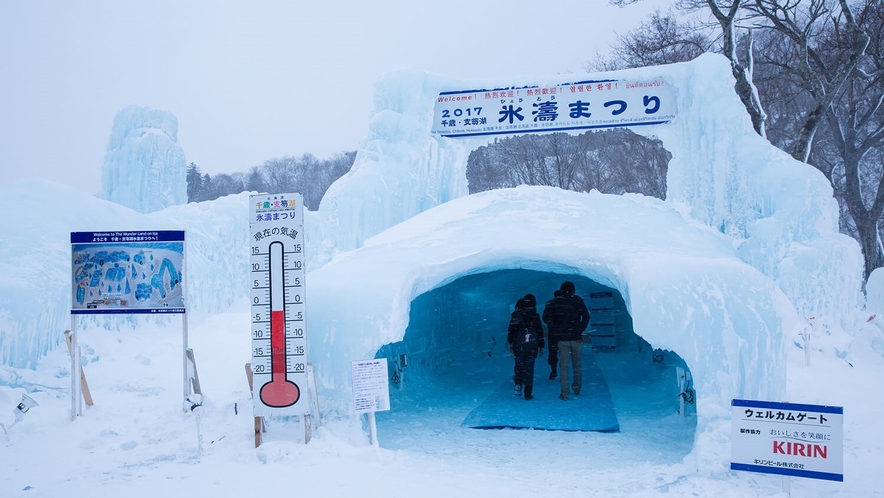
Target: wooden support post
column 194, row 375
column 87, row 396
column 314, row 398
column 249, row 376
column 373, row 430
column 307, row 418
column 260, row 427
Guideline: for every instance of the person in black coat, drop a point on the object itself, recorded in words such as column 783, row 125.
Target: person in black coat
column 570, row 318
column 552, row 340
column 525, row 340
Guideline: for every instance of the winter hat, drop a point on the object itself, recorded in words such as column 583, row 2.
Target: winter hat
column 530, row 301
column 567, row 288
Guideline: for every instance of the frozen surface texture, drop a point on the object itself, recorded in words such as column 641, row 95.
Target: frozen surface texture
column 144, row 167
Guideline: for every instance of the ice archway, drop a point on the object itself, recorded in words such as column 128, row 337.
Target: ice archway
column 721, row 272
column 683, row 283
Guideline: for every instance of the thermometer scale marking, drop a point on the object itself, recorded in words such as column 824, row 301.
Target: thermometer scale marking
column 279, row 392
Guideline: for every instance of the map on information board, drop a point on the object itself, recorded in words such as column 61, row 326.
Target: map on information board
column 127, row 272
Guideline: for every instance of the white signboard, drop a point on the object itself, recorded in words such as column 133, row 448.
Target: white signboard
column 278, row 312
column 567, row 106
column 787, row 439
column 127, row 272
column 371, row 393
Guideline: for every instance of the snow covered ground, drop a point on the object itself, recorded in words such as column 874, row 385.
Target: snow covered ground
column 137, row 441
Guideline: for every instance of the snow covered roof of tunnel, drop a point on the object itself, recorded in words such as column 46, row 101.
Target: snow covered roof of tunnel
column 685, row 286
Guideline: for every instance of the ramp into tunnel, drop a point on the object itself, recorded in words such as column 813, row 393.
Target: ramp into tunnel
column 453, row 362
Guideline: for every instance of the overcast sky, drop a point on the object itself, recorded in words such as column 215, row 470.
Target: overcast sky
column 257, row 80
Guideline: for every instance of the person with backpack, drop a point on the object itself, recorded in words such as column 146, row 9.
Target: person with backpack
column 570, row 318
column 525, row 340
column 552, row 340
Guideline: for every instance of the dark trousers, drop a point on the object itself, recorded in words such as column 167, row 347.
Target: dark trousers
column 523, row 373
column 553, row 358
column 571, row 352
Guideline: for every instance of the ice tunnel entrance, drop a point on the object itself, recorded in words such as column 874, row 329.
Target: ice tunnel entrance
column 452, row 367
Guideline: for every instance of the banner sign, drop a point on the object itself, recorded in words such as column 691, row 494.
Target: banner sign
column 278, row 310
column 787, row 439
column 127, row 272
column 371, row 392
column 567, row 106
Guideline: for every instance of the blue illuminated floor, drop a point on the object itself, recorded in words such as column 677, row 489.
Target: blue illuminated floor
column 592, row 410
column 427, row 414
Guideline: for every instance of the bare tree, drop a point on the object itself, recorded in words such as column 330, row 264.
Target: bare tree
column 610, row 161
column 224, row 184
column 817, row 69
column 665, row 39
column 730, row 16
column 851, row 147
column 803, row 24
column 821, row 68
column 307, row 175
column 662, row 39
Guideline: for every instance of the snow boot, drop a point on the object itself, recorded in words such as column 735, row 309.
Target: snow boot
column 518, row 390
column 552, row 375
column 528, row 395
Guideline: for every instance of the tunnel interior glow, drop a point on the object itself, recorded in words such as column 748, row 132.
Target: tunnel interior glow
column 454, row 351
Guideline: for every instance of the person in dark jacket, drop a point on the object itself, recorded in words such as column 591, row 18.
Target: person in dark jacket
column 552, row 341
column 570, row 318
column 525, row 340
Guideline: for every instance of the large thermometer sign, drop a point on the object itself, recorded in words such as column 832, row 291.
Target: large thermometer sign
column 279, row 339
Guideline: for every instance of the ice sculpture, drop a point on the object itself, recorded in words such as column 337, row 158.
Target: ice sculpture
column 144, row 167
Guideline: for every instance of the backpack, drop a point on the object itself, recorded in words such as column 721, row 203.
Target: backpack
column 525, row 341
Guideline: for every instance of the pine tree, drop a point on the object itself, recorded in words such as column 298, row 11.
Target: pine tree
column 194, row 183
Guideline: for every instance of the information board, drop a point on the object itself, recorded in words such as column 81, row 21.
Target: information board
column 127, row 272
column 278, row 311
column 371, row 392
column 787, row 438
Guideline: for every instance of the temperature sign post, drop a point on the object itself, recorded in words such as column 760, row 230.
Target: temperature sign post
column 279, row 338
